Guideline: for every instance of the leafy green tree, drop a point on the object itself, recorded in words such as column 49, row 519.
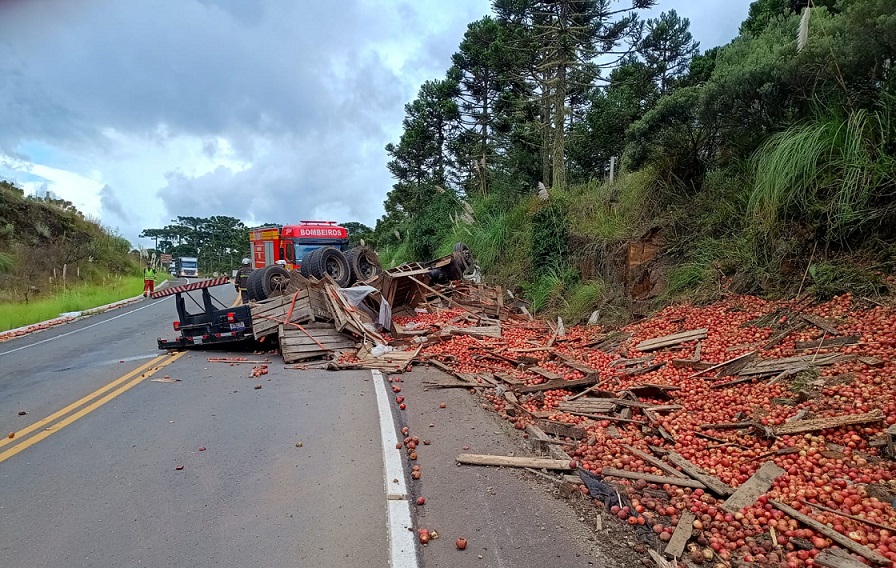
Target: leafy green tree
column 358, row 232
column 668, row 48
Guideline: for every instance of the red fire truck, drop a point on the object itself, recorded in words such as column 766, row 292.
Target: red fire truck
column 315, row 248
column 292, row 242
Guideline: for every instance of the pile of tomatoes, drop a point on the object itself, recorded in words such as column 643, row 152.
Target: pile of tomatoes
column 834, row 468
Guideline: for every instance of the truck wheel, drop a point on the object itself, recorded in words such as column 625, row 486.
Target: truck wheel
column 307, row 263
column 331, row 261
column 256, row 288
column 363, row 262
column 274, row 281
column 250, row 284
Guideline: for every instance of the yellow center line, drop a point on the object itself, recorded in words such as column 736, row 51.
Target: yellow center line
column 86, row 399
column 159, row 362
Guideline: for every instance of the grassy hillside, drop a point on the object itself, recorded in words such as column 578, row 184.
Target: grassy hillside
column 49, row 248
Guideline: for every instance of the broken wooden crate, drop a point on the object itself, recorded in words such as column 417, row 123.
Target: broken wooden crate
column 312, row 340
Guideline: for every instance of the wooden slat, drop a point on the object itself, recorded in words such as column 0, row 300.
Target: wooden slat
column 655, row 462
column 827, row 343
column 562, row 429
column 670, row 340
column 513, row 461
column 749, row 492
column 714, row 484
column 801, row 426
column 650, row 478
column 836, row 558
column 840, row 539
column 682, row 534
column 559, row 384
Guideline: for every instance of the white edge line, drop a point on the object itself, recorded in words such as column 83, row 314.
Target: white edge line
column 403, row 547
column 54, row 338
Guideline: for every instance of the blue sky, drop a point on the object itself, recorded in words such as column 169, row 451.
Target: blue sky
column 265, row 110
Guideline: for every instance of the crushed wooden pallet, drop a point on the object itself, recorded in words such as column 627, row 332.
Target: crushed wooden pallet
column 311, row 341
column 268, row 315
column 347, row 317
column 672, row 340
column 801, row 362
column 315, row 290
column 816, row 424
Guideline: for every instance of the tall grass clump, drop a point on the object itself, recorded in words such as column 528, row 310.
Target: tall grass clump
column 582, row 299
column 831, row 173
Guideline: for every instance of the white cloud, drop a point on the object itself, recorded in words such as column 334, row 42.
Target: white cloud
column 265, row 110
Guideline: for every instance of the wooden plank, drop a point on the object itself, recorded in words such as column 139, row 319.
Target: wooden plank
column 766, row 366
column 650, row 478
column 801, row 426
column 550, row 376
column 727, row 426
column 577, row 365
column 836, row 558
column 670, row 340
column 682, row 534
column 840, row 539
column 595, row 407
column 562, row 429
column 655, row 462
column 848, row 516
column 827, row 343
column 749, row 492
column 712, row 483
column 748, row 355
column 510, row 379
column 735, row 382
column 643, row 370
column 820, row 323
column 559, row 384
column 690, row 364
column 513, row 461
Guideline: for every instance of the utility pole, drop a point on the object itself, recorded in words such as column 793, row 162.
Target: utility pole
column 612, row 169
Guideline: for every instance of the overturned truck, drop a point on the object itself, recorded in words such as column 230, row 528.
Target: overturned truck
column 309, row 317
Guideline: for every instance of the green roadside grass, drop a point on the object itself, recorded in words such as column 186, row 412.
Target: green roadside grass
column 74, row 299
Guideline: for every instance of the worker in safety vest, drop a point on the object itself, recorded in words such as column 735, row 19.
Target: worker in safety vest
column 242, row 278
column 149, row 281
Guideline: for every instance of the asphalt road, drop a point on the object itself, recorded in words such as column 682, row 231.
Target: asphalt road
column 106, row 468
column 91, row 478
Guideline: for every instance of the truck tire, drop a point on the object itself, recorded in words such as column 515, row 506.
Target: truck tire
column 363, row 262
column 274, row 281
column 250, row 284
column 256, row 290
column 307, row 262
column 331, row 261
